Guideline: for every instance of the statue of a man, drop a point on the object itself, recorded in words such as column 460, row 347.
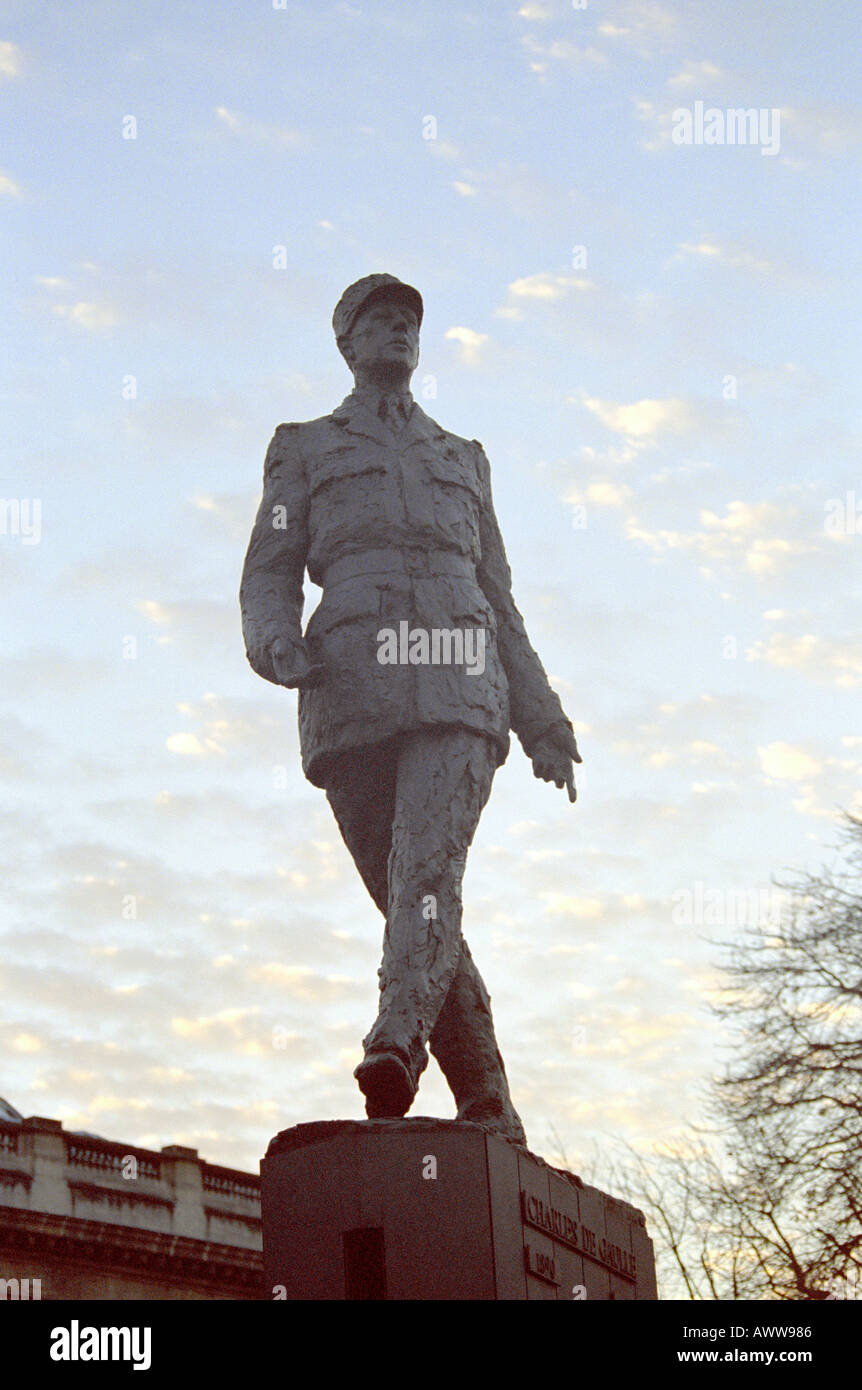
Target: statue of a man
column 411, row 672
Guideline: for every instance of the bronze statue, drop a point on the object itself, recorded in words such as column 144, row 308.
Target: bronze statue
column 412, row 671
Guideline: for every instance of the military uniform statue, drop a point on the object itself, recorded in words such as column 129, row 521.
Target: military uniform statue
column 411, row 672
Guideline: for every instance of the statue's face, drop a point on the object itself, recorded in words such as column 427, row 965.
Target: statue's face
column 386, row 334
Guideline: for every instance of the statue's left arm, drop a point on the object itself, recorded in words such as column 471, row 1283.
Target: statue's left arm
column 535, row 712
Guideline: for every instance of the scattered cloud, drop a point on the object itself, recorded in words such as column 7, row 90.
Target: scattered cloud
column 226, row 1028
column 823, row 659
column 823, row 130
column 543, row 287
column 222, row 727
column 603, row 492
column 190, row 746
column 11, row 59
column 747, row 533
column 738, row 257
column 444, row 149
column 728, row 255
column 640, row 24
column 657, row 119
column 784, row 762
column 250, row 129
column 536, row 12
column 89, row 314
column 470, row 342
column 696, row 74
column 561, row 51
column 646, row 419
column 299, row 982
column 9, row 186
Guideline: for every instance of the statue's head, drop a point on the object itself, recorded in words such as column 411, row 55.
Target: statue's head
column 376, row 324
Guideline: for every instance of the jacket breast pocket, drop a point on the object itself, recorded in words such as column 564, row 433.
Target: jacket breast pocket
column 455, row 497
column 449, row 468
column 343, row 465
column 349, row 495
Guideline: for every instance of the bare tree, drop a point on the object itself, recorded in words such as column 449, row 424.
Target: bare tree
column 768, row 1202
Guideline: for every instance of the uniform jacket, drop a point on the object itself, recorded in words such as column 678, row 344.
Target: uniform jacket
column 394, row 527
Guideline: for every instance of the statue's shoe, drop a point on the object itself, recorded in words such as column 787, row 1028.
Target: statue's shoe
column 387, row 1085
column 500, row 1117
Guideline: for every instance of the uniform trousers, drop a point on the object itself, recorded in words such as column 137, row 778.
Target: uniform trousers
column 408, row 809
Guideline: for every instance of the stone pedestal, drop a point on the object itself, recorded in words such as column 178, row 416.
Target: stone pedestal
column 439, row 1209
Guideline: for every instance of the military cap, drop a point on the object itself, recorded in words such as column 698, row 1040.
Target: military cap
column 366, row 290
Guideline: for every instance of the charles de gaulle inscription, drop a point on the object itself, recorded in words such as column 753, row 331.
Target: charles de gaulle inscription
column 573, row 1234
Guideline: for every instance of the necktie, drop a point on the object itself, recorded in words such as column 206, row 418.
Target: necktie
column 392, row 412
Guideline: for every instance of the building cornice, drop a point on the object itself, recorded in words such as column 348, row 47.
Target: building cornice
column 225, row 1271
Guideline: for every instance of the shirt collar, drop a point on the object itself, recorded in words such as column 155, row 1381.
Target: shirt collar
column 371, row 396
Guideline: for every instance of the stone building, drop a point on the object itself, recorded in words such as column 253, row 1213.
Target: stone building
column 85, row 1217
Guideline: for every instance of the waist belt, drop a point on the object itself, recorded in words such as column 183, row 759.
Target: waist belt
column 418, row 564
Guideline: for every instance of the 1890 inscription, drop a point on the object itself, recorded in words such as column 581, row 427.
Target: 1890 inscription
column 560, row 1227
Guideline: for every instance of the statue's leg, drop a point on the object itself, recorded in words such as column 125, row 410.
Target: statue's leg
column 465, row 1046
column 360, row 788
column 443, row 782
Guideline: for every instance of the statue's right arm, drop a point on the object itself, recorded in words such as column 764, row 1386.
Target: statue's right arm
column 271, row 589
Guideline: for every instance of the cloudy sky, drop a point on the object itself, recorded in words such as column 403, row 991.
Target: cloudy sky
column 658, row 346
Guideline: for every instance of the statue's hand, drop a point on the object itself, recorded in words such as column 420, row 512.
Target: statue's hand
column 292, row 667
column 554, row 757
